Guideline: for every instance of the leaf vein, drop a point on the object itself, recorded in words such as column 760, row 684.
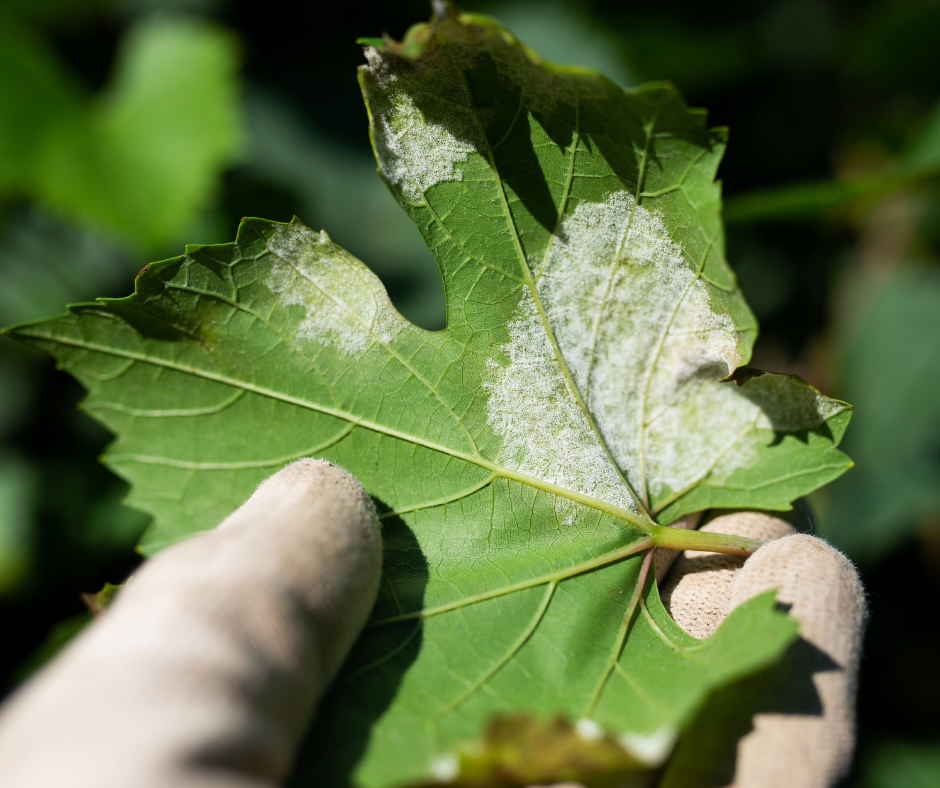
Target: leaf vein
column 506, row 657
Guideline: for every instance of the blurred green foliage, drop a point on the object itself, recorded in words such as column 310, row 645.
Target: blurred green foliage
column 891, row 369
column 130, row 127
column 95, row 175
column 140, row 158
column 897, row 763
column 918, row 164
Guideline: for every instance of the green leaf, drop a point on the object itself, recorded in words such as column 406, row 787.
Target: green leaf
column 141, row 159
column 525, row 458
column 36, row 94
column 335, row 186
column 17, row 489
column 98, row 601
column 896, row 489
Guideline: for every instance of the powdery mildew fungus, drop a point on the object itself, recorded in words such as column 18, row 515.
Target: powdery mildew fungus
column 613, row 284
column 710, row 432
column 445, row 768
column 545, row 432
column 649, row 749
column 346, row 306
column 413, row 152
column 730, row 428
column 646, row 346
column 652, row 749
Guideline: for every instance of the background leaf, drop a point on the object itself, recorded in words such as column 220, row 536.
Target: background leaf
column 139, row 159
column 173, row 98
column 808, row 201
column 898, row 445
column 36, row 93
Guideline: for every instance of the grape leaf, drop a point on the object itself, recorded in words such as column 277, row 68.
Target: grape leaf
column 524, row 459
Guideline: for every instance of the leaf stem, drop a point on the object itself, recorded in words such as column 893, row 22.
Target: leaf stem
column 680, row 539
column 552, row 577
column 661, row 536
column 616, row 651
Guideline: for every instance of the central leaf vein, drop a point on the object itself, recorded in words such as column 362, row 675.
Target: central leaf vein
column 527, row 271
column 509, row 473
column 550, row 577
column 651, row 371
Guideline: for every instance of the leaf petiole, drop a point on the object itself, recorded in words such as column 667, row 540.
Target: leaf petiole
column 680, row 539
column 661, row 536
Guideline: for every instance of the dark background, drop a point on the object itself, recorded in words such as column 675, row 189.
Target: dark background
column 832, row 206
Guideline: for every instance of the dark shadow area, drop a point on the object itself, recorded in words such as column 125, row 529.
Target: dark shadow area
column 146, row 321
column 618, row 143
column 899, row 694
column 706, row 753
column 788, row 403
column 372, row 674
column 510, row 132
column 82, row 536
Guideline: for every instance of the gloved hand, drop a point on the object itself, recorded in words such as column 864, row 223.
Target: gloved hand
column 205, row 670
column 792, row 726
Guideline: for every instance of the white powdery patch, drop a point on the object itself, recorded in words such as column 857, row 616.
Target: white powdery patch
column 413, row 152
column 716, row 431
column 652, row 749
column 588, row 730
column 346, row 305
column 445, row 768
column 706, row 433
column 613, row 284
column 545, row 432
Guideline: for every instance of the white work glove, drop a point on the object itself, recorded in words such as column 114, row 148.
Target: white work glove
column 793, row 725
column 207, row 668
